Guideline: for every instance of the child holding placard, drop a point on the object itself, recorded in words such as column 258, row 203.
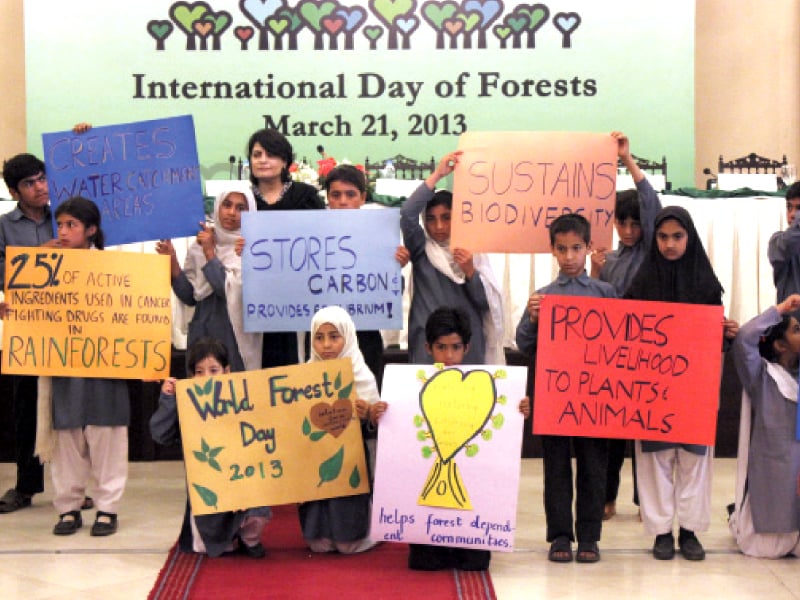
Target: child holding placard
column 445, row 276
column 766, row 516
column 222, row 532
column 570, row 239
column 346, row 188
column 340, row 524
column 211, row 281
column 634, row 214
column 674, row 480
column 90, row 416
column 447, row 333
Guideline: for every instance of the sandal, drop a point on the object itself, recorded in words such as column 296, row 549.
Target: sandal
column 560, row 550
column 13, row 500
column 588, row 552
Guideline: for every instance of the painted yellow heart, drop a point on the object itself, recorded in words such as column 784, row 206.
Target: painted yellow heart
column 456, row 407
column 333, row 418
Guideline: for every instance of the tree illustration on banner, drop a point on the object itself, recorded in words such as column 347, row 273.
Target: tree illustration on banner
column 159, row 30
column 457, row 408
column 198, row 20
column 398, row 17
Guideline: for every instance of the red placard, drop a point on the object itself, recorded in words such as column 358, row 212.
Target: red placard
column 628, row 369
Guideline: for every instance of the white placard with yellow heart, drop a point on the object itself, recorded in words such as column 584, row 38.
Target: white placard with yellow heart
column 448, row 457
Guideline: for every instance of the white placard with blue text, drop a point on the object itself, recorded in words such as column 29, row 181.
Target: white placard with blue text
column 144, row 177
column 296, row 262
column 448, row 459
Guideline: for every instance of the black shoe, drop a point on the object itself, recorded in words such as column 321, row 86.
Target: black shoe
column 690, row 546
column 14, row 500
column 68, row 523
column 257, row 551
column 664, row 547
column 471, row 559
column 102, row 528
column 422, row 557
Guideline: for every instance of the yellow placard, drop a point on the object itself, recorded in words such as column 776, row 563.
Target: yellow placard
column 85, row 313
column 274, row 436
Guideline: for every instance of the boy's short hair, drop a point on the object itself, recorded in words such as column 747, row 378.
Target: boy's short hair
column 203, row 348
column 440, row 198
column 20, row 167
column 793, row 191
column 571, row 222
column 446, row 320
column 627, row 206
column 348, row 174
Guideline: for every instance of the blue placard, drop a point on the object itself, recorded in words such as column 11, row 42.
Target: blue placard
column 296, row 262
column 144, row 176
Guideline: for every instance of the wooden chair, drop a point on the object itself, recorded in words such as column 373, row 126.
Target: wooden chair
column 405, row 167
column 751, row 163
column 651, row 166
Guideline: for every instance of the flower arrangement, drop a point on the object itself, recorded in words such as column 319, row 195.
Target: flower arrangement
column 304, row 173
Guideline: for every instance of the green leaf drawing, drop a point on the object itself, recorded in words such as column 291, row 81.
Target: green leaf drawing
column 472, row 450
column 498, row 420
column 338, row 382
column 214, row 465
column 500, row 374
column 422, row 435
column 198, row 390
column 486, row 434
column 421, row 375
column 317, row 435
column 501, row 400
column 330, row 468
column 208, row 496
column 209, row 386
column 426, row 452
column 215, row 451
column 345, row 391
column 204, row 447
column 306, row 426
column 355, row 478
column 418, row 421
column 200, row 456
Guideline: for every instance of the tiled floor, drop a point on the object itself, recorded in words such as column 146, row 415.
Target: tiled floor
column 34, row 564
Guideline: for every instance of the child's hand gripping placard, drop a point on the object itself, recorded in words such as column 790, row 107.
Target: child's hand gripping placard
column 273, row 436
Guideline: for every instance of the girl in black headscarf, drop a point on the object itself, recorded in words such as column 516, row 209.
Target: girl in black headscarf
column 675, row 479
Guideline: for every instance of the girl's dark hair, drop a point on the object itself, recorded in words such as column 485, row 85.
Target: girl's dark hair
column 274, row 142
column 627, row 206
column 446, row 320
column 440, row 198
column 203, row 348
column 766, row 345
column 348, row 174
column 87, row 213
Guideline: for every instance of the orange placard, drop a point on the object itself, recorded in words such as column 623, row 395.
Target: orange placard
column 85, row 313
column 628, row 369
column 509, row 186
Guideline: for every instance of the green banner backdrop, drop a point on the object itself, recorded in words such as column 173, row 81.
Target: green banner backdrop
column 367, row 79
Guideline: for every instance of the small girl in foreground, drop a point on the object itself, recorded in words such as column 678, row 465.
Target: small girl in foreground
column 766, row 517
column 225, row 531
column 90, row 416
column 340, row 524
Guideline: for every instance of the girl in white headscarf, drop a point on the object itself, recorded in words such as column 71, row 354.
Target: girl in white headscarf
column 341, row 524
column 211, row 281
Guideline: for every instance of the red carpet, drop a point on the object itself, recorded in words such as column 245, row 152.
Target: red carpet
column 290, row 570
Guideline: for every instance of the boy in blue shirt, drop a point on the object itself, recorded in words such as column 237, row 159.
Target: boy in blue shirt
column 570, row 240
